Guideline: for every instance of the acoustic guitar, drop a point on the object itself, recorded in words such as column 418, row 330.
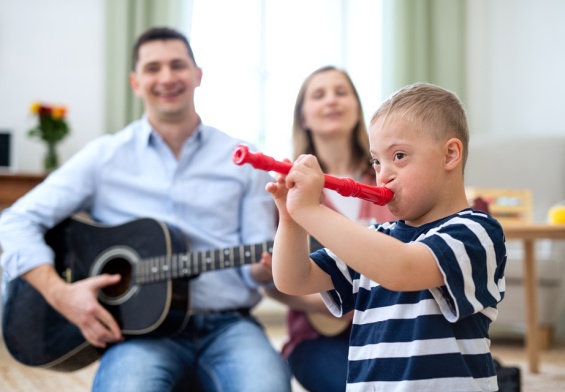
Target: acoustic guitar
column 152, row 297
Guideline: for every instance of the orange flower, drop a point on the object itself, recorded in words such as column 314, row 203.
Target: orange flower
column 58, row 112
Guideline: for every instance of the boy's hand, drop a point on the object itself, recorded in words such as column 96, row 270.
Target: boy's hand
column 279, row 192
column 305, row 182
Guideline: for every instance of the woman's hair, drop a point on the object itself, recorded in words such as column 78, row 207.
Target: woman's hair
column 434, row 110
column 302, row 141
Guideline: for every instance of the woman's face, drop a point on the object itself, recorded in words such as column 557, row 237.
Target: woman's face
column 330, row 106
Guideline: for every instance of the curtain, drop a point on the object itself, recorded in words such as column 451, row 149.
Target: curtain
column 125, row 21
column 424, row 41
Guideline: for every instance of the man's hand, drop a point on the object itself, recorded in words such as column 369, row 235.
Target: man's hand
column 78, row 302
column 262, row 272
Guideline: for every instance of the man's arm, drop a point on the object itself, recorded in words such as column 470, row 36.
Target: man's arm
column 26, row 254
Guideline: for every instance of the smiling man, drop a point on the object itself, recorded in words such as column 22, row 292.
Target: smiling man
column 171, row 167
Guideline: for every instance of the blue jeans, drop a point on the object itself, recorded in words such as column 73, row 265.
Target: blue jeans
column 320, row 365
column 216, row 352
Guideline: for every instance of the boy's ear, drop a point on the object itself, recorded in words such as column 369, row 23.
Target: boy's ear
column 453, row 153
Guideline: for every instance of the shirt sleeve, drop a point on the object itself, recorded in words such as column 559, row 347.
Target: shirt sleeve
column 258, row 219
column 340, row 300
column 471, row 256
column 22, row 226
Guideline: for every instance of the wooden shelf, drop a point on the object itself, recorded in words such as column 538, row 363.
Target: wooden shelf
column 508, row 206
column 15, row 185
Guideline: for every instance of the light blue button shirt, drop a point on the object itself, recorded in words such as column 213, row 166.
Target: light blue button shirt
column 131, row 174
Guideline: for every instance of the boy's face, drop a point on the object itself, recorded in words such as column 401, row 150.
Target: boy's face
column 165, row 77
column 411, row 164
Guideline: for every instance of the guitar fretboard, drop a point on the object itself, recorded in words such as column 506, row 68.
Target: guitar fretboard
column 189, row 264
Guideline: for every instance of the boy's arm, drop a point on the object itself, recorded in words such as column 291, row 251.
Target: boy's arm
column 293, row 271
column 393, row 264
column 383, row 259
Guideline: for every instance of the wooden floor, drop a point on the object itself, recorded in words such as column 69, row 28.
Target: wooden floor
column 18, row 378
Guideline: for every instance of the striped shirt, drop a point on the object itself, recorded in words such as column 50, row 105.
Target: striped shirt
column 429, row 340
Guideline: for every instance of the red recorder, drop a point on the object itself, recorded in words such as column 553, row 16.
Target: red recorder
column 344, row 186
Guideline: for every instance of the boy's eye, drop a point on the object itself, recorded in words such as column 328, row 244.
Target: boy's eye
column 399, row 155
column 374, row 162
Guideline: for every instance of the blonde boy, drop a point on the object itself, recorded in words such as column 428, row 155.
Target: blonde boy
column 425, row 288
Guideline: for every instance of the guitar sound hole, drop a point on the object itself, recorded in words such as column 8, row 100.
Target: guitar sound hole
column 121, row 267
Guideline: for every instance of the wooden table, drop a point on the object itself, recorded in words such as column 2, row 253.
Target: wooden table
column 528, row 234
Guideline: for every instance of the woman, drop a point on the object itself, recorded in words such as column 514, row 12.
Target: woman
column 328, row 123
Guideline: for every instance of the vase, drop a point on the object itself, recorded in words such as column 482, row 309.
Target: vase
column 51, row 160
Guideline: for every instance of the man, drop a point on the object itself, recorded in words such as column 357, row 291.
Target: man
column 171, row 167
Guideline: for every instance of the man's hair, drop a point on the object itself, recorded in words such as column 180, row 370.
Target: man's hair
column 434, row 110
column 303, row 142
column 159, row 34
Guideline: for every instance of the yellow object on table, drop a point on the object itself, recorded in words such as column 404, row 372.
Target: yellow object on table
column 557, row 214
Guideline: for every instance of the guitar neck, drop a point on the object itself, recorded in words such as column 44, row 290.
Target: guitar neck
column 183, row 265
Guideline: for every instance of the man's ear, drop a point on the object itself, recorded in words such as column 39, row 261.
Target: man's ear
column 134, row 83
column 453, row 153
column 199, row 76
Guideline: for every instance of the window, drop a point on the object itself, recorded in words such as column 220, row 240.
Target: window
column 256, row 53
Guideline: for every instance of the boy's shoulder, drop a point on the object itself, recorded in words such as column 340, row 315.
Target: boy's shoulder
column 467, row 220
column 470, row 218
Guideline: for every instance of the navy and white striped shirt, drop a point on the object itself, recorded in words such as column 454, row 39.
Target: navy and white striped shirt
column 429, row 340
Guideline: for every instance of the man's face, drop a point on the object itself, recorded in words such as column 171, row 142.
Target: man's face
column 165, row 77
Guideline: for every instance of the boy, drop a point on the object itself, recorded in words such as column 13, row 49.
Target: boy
column 425, row 288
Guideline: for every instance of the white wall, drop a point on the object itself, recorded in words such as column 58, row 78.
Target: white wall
column 516, row 63
column 52, row 51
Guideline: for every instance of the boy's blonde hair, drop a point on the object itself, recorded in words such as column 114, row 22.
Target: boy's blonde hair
column 436, row 111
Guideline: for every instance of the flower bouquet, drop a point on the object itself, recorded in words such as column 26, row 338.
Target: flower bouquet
column 51, row 128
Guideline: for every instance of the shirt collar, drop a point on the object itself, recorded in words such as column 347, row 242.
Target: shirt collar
column 149, row 135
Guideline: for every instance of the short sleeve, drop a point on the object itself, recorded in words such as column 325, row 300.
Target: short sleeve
column 470, row 253
column 340, row 300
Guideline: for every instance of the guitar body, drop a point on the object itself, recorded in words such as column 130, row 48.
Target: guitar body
column 37, row 335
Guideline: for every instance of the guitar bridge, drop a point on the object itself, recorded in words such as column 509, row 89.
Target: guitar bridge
column 68, row 275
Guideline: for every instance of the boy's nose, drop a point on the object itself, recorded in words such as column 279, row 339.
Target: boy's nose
column 384, row 176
